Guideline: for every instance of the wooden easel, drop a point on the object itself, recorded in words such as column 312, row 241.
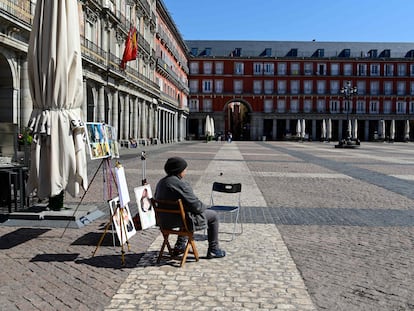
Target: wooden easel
column 120, row 212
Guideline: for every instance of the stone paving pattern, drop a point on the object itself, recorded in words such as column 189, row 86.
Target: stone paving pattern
column 324, row 229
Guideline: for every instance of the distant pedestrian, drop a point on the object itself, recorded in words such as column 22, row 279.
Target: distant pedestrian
column 229, row 137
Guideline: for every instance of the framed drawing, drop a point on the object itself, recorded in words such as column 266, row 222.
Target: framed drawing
column 112, row 141
column 146, row 213
column 97, row 140
column 122, row 221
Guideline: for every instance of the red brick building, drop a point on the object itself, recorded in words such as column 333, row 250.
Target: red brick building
column 257, row 89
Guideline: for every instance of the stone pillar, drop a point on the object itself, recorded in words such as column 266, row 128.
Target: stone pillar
column 126, row 117
column 85, row 101
column 101, row 105
column 115, row 110
column 25, row 96
column 121, row 111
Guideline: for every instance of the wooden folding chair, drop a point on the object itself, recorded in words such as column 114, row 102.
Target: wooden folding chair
column 171, row 219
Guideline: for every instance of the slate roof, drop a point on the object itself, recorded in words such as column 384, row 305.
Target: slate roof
column 279, row 49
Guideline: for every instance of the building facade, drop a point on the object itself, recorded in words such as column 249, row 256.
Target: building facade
column 144, row 101
column 268, row 90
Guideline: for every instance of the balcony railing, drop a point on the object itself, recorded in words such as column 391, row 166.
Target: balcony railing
column 19, row 11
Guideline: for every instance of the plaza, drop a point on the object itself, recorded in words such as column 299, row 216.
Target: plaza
column 325, row 229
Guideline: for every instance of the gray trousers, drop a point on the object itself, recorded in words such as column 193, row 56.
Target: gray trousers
column 212, row 231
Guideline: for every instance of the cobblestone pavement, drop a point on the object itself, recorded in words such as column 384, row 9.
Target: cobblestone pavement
column 324, row 229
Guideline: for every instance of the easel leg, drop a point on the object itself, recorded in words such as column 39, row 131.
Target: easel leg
column 102, row 237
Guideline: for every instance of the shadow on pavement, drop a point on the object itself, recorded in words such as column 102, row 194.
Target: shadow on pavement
column 55, row 257
column 20, row 236
column 112, row 261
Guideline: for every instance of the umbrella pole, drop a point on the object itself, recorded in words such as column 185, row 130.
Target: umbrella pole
column 144, row 168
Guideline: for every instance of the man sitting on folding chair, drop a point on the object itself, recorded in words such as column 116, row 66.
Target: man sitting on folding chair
column 172, row 187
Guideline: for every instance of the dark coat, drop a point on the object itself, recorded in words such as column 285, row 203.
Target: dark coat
column 173, row 188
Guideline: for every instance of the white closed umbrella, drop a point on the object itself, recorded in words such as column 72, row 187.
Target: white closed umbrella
column 382, row 129
column 298, row 128
column 407, row 130
column 392, row 130
column 58, row 158
column 213, row 133
column 355, row 129
column 207, row 128
column 349, row 129
column 323, row 130
column 329, row 129
column 303, row 128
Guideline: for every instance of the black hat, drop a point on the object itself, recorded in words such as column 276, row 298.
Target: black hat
column 175, row 165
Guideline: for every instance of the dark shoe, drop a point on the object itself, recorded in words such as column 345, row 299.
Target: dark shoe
column 177, row 251
column 215, row 253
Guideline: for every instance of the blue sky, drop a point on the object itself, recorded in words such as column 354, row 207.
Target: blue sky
column 294, row 20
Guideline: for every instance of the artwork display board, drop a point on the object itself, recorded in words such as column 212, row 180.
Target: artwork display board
column 98, row 142
column 143, row 195
column 122, row 221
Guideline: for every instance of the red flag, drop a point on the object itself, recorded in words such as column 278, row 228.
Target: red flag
column 131, row 47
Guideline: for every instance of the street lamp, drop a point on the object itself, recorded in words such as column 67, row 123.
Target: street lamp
column 348, row 91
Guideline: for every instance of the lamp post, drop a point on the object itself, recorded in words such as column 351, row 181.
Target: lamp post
column 348, row 91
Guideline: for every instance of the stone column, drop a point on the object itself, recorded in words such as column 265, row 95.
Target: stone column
column 115, row 110
column 126, row 117
column 101, row 105
column 25, row 96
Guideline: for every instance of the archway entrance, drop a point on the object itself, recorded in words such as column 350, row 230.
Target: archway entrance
column 237, row 120
column 6, row 92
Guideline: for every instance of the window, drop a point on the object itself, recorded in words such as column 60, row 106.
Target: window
column 207, row 86
column 321, row 70
column 238, row 86
column 281, row 87
column 374, row 70
column 218, row 86
column 388, row 88
column 412, row 88
column 294, row 105
column 411, row 107
column 268, row 105
column 238, row 68
column 219, row 68
column 389, row 70
column 194, row 105
column 258, row 68
column 387, row 107
column 360, row 108
column 347, row 69
column 374, row 88
column 362, row 70
column 294, row 87
column 194, row 67
column 208, row 68
column 334, row 87
column 373, row 107
column 402, row 70
column 411, row 70
column 194, row 51
column 334, row 69
column 257, row 87
column 320, row 105
column 321, row 87
column 307, row 87
column 307, row 105
column 193, row 86
column 334, row 106
column 282, row 69
column 401, row 107
column 268, row 86
column 308, row 69
column 401, row 88
column 361, row 87
column 281, row 106
column 294, row 69
column 269, row 68
column 207, row 105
